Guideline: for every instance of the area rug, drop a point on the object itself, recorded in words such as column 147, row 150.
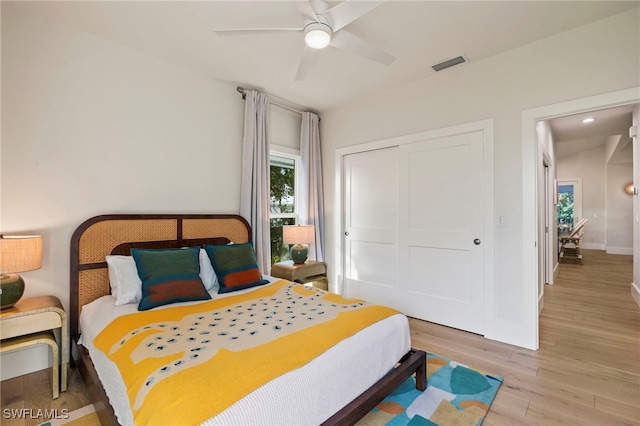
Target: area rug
column 456, row 395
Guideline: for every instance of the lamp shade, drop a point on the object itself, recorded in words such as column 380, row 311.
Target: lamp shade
column 298, row 234
column 20, row 253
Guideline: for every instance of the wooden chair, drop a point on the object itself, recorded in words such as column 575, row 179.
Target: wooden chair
column 572, row 241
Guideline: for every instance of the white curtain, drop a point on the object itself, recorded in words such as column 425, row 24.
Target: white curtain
column 255, row 191
column 311, row 197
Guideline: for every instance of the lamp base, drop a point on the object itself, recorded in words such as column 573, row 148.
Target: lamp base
column 12, row 286
column 299, row 253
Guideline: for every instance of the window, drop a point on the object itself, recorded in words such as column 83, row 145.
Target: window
column 569, row 204
column 284, row 200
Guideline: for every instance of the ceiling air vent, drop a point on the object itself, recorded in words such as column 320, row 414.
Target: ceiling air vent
column 449, row 63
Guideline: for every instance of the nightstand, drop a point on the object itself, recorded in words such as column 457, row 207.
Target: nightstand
column 311, row 273
column 31, row 321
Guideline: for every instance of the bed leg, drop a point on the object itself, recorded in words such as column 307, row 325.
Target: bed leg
column 421, row 375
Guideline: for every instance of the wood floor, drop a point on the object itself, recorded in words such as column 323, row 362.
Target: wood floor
column 25, row 395
column 587, row 371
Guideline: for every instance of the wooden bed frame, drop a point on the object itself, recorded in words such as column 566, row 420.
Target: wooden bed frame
column 118, row 234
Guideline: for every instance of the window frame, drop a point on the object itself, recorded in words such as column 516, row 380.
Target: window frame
column 292, row 154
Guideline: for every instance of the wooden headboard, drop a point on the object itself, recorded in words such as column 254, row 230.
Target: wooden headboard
column 103, row 235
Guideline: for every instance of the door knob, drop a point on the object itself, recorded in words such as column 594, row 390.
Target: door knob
column 346, row 234
column 477, row 241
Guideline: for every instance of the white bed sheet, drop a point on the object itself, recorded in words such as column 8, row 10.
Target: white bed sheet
column 305, row 396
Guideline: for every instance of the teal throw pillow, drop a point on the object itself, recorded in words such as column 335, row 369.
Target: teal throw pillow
column 236, row 266
column 169, row 276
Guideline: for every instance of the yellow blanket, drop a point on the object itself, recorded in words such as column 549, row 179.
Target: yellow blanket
column 184, row 365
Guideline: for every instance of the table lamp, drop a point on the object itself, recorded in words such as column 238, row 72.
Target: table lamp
column 298, row 235
column 18, row 253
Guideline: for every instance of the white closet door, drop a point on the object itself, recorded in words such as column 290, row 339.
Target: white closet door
column 441, row 230
column 371, row 226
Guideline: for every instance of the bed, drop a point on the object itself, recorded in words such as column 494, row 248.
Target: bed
column 338, row 383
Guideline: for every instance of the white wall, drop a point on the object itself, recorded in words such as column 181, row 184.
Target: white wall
column 619, row 222
column 568, row 66
column 610, row 225
column 90, row 127
column 284, row 127
column 590, row 166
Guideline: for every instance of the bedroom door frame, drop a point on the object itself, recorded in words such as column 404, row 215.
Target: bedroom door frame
column 531, row 222
column 485, row 126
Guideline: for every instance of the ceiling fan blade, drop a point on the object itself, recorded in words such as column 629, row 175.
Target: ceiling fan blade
column 319, row 7
column 306, row 10
column 346, row 12
column 253, row 31
column 351, row 43
column 306, row 61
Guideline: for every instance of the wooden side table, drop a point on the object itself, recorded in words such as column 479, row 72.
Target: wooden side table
column 24, row 324
column 311, row 272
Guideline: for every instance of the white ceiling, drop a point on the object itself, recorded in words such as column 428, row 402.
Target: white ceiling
column 418, row 33
column 571, row 135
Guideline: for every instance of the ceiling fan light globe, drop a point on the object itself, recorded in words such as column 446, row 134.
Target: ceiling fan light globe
column 317, row 35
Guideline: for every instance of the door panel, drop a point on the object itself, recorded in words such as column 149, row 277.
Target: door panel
column 442, row 272
column 365, row 260
column 442, row 266
column 371, row 225
column 433, row 175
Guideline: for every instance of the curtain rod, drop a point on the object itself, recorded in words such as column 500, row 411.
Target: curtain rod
column 244, row 96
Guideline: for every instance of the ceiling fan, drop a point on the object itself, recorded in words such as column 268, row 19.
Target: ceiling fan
column 324, row 26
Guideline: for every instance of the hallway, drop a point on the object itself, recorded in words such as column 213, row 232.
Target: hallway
column 590, row 320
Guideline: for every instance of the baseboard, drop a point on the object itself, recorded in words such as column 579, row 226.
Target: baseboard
column 635, row 293
column 593, row 246
column 620, row 250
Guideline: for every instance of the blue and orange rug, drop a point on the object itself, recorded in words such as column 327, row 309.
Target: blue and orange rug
column 456, row 395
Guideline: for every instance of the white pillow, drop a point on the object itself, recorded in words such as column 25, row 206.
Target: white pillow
column 126, row 285
column 207, row 274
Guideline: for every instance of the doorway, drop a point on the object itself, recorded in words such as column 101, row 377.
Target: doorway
column 532, row 166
